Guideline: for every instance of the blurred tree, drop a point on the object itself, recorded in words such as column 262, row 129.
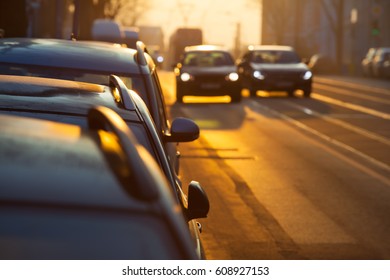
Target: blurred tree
column 281, row 18
column 277, row 18
column 46, row 19
column 128, row 12
column 13, row 26
column 86, row 11
column 334, row 11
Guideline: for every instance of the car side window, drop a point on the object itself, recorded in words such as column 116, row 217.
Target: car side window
column 160, row 99
column 190, row 59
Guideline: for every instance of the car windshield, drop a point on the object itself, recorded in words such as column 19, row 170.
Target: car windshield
column 207, row 59
column 133, row 82
column 275, row 56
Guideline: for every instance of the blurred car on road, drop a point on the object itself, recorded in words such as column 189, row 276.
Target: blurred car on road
column 84, row 193
column 381, row 63
column 206, row 70
column 274, row 68
column 107, row 30
column 367, row 62
column 92, row 62
column 131, row 37
column 69, row 102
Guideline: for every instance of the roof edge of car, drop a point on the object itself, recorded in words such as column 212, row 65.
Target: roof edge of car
column 141, row 50
column 276, row 47
column 103, row 118
column 124, row 98
column 205, row 48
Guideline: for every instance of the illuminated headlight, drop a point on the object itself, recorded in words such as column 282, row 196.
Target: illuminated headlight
column 160, row 59
column 185, row 77
column 233, row 76
column 307, row 75
column 257, row 74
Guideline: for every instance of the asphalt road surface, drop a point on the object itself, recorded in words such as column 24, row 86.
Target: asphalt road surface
column 292, row 178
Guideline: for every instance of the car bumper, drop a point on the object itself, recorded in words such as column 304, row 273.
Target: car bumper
column 209, row 88
column 275, row 85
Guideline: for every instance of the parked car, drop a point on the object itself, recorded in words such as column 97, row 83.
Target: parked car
column 381, row 63
column 131, row 37
column 84, row 193
column 274, row 68
column 92, row 62
column 69, row 102
column 107, row 30
column 367, row 62
column 207, row 71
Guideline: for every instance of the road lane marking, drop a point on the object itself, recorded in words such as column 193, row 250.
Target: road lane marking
column 348, row 93
column 299, row 216
column 280, row 238
column 351, row 85
column 219, row 157
column 336, row 143
column 345, row 125
column 351, row 106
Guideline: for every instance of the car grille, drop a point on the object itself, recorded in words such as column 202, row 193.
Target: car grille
column 286, row 76
column 210, row 78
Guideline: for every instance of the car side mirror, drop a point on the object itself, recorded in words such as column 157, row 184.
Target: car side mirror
column 183, row 130
column 198, row 202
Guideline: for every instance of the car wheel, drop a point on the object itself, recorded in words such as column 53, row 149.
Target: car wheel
column 179, row 95
column 252, row 92
column 306, row 92
column 236, row 98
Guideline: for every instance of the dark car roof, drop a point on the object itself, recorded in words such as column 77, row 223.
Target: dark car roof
column 270, row 47
column 86, row 55
column 88, row 61
column 64, row 96
column 67, row 101
column 49, row 162
column 62, row 186
column 205, row 48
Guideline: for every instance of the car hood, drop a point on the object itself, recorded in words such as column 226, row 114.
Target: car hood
column 209, row 70
column 290, row 67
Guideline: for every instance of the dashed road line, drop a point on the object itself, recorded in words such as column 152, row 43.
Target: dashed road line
column 345, row 125
column 351, row 106
column 354, row 94
column 336, row 143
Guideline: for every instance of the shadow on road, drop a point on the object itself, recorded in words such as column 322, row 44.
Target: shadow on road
column 211, row 116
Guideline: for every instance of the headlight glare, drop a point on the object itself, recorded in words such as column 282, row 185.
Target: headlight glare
column 233, row 76
column 185, row 77
column 160, row 59
column 307, row 75
column 258, row 75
